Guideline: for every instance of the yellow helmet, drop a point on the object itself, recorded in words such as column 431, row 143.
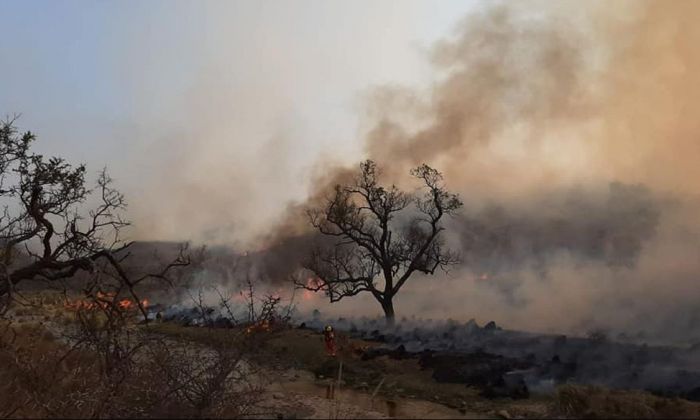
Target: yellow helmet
column 329, row 328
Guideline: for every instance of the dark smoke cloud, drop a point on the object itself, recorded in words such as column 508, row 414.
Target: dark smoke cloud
column 611, row 227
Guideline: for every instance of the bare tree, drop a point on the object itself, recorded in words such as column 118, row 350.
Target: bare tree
column 46, row 230
column 383, row 235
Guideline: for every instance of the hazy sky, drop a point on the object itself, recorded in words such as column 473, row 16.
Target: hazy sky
column 168, row 93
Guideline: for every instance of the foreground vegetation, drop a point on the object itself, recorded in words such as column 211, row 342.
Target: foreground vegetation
column 59, row 363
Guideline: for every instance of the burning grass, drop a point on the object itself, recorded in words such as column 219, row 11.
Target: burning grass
column 104, row 300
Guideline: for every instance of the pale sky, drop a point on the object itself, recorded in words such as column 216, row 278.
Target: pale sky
column 172, row 93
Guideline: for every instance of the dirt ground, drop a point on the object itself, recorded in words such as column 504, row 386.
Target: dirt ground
column 297, row 394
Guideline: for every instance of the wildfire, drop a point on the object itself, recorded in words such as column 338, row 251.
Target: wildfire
column 103, row 301
column 260, row 326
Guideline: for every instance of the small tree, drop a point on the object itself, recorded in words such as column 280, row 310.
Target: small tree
column 384, row 235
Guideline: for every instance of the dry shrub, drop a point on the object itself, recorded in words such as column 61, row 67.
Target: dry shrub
column 111, row 369
column 39, row 376
column 93, row 359
column 585, row 401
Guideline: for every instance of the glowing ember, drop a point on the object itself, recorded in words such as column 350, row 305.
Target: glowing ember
column 261, row 326
column 483, row 277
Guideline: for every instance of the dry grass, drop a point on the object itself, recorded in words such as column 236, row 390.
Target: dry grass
column 579, row 401
column 39, row 376
column 46, row 305
column 43, row 377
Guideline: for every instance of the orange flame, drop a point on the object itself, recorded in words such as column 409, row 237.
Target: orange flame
column 103, row 301
column 260, row 326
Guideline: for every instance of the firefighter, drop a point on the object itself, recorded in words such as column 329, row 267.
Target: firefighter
column 329, row 339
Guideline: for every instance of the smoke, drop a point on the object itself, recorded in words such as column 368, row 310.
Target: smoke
column 570, row 131
column 235, row 101
column 609, row 227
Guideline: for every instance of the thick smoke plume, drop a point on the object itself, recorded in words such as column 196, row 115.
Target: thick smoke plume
column 570, row 130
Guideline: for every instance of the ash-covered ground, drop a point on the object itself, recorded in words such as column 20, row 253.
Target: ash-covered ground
column 501, row 362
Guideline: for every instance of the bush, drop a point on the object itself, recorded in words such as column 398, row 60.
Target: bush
column 109, row 371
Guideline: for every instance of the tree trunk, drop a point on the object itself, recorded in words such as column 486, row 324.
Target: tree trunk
column 388, row 306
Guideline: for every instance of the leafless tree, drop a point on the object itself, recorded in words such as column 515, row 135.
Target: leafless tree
column 47, row 231
column 382, row 236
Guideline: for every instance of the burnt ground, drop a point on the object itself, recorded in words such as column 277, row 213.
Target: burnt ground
column 513, row 363
column 396, row 382
column 472, row 368
column 417, row 384
column 382, row 379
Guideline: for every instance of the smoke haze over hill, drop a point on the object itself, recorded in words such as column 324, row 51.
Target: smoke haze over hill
column 569, row 130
